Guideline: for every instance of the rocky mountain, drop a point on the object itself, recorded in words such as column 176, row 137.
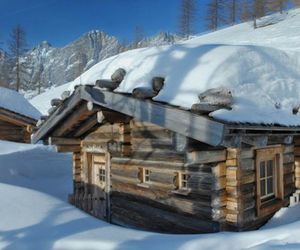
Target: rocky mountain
column 45, row 66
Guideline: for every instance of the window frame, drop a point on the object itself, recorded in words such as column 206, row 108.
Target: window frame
column 144, row 175
column 182, row 182
column 268, row 203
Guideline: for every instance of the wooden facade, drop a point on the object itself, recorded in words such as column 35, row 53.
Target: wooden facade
column 15, row 127
column 149, row 171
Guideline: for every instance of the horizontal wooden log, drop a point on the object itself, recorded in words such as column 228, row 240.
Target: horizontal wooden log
column 206, row 156
column 152, row 218
column 65, row 95
column 288, row 149
column 144, row 93
column 68, row 148
column 107, row 84
column 159, row 156
column 157, row 83
column 219, row 96
column 56, row 102
column 205, row 108
column 63, row 141
column 118, row 75
column 51, row 110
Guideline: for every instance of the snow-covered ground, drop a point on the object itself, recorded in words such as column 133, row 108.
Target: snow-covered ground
column 260, row 66
column 35, row 182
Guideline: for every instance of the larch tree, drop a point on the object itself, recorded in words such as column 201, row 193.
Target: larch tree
column 231, row 7
column 17, row 46
column 259, row 10
column 277, row 5
column 213, row 14
column 296, row 3
column 187, row 18
column 245, row 11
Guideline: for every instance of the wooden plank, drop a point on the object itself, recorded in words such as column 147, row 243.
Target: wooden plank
column 67, row 148
column 73, row 120
column 219, row 170
column 206, row 156
column 63, row 141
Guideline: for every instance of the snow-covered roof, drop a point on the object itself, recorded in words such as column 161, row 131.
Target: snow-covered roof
column 261, row 68
column 259, row 77
column 16, row 102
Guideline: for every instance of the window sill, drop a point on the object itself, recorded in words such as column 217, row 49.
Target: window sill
column 270, row 207
column 184, row 192
column 144, row 185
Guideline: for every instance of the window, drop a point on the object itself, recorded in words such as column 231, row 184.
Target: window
column 269, row 179
column 101, row 175
column 144, row 175
column 182, row 180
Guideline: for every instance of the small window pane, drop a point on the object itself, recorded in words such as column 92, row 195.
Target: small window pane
column 262, row 169
column 270, row 168
column 270, row 186
column 263, row 187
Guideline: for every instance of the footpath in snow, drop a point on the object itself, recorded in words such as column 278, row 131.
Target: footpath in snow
column 35, row 182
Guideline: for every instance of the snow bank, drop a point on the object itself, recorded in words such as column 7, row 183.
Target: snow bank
column 14, row 101
column 35, row 182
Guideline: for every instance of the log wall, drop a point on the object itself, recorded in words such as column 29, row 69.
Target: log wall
column 297, row 162
column 241, row 188
column 11, row 132
column 221, row 184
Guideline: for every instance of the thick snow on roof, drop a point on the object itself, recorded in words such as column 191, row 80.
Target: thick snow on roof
column 260, row 66
column 16, row 102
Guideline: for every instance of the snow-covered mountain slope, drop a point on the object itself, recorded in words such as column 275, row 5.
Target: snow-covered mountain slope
column 47, row 66
column 35, row 182
column 14, row 101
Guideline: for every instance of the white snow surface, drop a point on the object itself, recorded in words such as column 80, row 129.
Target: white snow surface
column 43, row 101
column 35, row 182
column 260, row 66
column 16, row 102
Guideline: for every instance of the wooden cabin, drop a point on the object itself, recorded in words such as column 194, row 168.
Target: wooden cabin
column 18, row 117
column 15, row 127
column 149, row 165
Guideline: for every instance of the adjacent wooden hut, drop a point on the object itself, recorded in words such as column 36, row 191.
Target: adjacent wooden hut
column 144, row 164
column 17, row 117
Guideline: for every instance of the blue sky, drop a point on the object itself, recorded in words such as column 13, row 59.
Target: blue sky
column 62, row 21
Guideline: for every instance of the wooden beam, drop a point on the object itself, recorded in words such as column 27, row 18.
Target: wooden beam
column 78, row 115
column 87, row 125
column 63, row 141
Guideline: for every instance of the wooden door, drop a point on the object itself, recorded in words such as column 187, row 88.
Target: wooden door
column 100, row 185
